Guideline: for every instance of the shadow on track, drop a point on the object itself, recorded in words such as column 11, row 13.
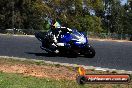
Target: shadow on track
column 41, row 54
column 53, row 55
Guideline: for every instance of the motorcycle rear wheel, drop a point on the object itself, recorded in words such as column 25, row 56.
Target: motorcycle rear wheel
column 72, row 54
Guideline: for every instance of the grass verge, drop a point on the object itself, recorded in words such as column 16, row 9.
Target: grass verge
column 32, row 74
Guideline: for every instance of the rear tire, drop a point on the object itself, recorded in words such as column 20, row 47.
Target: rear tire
column 72, row 54
column 52, row 54
column 40, row 35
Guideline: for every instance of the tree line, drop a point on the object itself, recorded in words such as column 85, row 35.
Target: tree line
column 108, row 16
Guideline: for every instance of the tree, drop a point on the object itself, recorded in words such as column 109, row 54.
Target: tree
column 32, row 14
column 127, row 19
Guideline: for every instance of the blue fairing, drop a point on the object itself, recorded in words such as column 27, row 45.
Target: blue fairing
column 65, row 38
column 75, row 36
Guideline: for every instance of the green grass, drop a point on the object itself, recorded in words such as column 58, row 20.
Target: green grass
column 11, row 80
column 8, row 80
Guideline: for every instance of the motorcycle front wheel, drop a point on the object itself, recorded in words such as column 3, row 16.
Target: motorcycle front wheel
column 89, row 52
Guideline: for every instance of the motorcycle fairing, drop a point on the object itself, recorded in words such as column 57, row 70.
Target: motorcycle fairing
column 75, row 36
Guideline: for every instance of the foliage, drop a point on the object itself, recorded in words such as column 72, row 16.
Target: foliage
column 117, row 17
column 108, row 15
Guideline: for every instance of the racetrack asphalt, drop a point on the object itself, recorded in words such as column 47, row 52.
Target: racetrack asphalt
column 109, row 54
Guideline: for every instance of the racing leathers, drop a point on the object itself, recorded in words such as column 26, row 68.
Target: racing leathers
column 55, row 35
column 52, row 40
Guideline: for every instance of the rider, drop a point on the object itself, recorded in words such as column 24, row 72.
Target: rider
column 56, row 31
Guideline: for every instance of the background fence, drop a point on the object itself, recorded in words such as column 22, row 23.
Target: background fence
column 113, row 36
column 19, row 31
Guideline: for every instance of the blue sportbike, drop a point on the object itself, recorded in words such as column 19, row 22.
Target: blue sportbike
column 72, row 42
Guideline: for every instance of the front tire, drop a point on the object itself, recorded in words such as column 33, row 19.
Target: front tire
column 90, row 52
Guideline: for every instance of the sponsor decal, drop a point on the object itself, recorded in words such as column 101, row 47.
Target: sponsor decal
column 101, row 78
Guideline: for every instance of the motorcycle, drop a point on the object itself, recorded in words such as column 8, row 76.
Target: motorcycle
column 72, row 42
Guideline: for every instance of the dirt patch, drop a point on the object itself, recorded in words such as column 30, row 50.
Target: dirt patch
column 39, row 71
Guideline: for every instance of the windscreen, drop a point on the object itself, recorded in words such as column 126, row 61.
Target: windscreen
column 75, row 34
